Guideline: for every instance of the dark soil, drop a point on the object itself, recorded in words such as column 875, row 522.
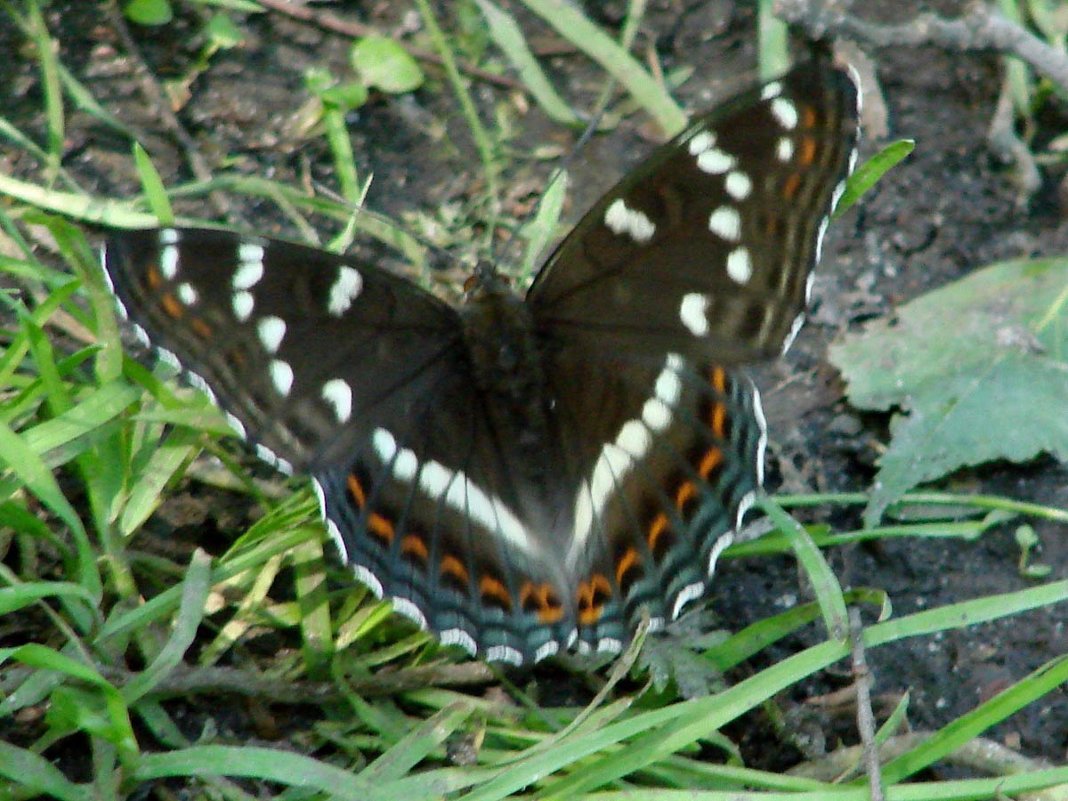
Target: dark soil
column 949, row 209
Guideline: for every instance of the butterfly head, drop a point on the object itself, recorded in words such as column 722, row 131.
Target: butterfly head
column 485, row 282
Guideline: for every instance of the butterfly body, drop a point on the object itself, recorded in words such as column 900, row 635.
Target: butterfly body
column 523, row 473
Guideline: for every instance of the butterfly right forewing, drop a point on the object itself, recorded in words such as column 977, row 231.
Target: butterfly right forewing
column 706, row 248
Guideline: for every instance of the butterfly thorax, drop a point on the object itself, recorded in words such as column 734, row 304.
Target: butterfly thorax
column 505, row 358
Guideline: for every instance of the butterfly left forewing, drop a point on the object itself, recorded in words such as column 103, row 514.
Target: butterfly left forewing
column 248, row 317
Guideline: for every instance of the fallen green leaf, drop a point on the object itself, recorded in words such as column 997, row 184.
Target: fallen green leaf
column 978, row 371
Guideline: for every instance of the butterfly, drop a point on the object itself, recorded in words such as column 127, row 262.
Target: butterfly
column 523, row 474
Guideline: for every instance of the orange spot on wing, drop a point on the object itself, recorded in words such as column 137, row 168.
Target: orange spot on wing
column 630, row 561
column 656, row 529
column 492, row 589
column 712, row 459
column 591, row 597
column 414, row 545
column 381, row 527
column 807, row 154
column 808, row 117
column 543, row 599
column 719, row 380
column 791, row 185
column 153, row 277
column 719, row 420
column 171, row 306
column 686, row 493
column 356, row 490
column 454, row 568
column 200, row 328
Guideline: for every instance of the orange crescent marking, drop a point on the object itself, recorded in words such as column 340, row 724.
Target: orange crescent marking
column 381, row 527
column 550, row 614
column 550, row 610
column 719, row 420
column 413, row 545
column 489, row 587
column 452, row 566
column 719, row 380
column 589, row 610
column 202, row 329
column 686, row 493
column 627, row 562
column 356, row 490
column 793, row 183
column 712, row 459
column 170, row 304
column 527, row 593
column 659, row 524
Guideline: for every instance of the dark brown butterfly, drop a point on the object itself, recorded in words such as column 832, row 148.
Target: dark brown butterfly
column 519, row 474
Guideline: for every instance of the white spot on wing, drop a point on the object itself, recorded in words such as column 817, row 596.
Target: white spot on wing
column 795, row 327
column 168, row 358
column 459, row 637
column 504, row 653
column 633, row 222
column 402, row 606
column 545, row 651
column 744, row 506
column 271, row 330
column 700, row 142
column 808, row 287
column 770, row 90
column 839, row 190
column 715, row 162
column 345, row 289
column 243, row 305
column 236, row 425
column 723, row 542
column 819, row 240
column 726, row 223
column 187, row 294
column 762, row 441
column 738, row 185
column 785, row 112
column 368, row 579
column 784, row 149
column 168, row 236
column 609, row 645
column 281, row 376
column 273, row 459
column 693, row 313
column 739, row 267
column 339, row 542
column 250, row 271
column 338, row 394
column 168, row 261
column 656, row 414
column 690, row 592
